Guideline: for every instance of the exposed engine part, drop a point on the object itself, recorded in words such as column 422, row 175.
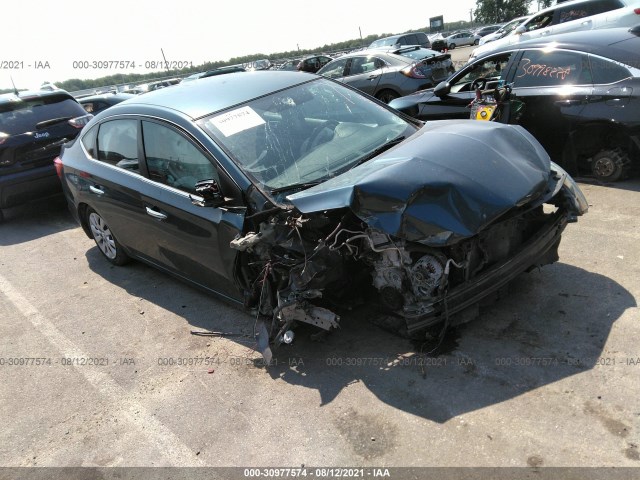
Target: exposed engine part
column 426, row 275
column 251, row 239
column 288, row 337
column 389, row 269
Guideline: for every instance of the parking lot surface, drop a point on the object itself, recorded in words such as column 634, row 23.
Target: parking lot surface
column 98, row 366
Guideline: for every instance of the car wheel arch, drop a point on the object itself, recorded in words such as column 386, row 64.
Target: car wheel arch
column 590, row 139
column 83, row 217
column 386, row 93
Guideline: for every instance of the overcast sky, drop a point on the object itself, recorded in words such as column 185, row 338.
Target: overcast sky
column 63, row 31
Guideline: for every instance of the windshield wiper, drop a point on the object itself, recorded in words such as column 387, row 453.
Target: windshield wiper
column 293, row 187
column 53, row 121
column 382, row 148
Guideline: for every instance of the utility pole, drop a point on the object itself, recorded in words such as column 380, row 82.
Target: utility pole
column 471, row 16
column 361, row 41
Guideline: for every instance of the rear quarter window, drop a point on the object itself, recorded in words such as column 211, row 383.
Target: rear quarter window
column 89, row 141
column 605, row 71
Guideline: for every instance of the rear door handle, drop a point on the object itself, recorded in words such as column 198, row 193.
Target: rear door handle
column 569, row 102
column 96, row 190
column 156, row 214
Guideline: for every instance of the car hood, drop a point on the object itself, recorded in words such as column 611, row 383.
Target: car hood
column 446, row 182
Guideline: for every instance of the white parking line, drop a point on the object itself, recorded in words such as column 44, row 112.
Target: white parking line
column 173, row 450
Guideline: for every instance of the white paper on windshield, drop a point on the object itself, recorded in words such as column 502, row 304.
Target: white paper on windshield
column 237, row 120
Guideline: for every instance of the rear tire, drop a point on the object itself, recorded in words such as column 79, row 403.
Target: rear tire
column 106, row 242
column 476, row 42
column 610, row 165
column 386, row 96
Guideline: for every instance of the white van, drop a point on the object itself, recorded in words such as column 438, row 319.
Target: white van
column 568, row 17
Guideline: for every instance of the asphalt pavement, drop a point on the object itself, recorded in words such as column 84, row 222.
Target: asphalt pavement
column 98, row 366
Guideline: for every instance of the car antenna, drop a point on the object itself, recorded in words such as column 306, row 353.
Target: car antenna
column 15, row 90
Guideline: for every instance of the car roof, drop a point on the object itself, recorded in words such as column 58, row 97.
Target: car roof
column 106, row 96
column 615, row 43
column 212, row 94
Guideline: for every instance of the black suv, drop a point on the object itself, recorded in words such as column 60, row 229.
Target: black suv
column 581, row 96
column 33, row 127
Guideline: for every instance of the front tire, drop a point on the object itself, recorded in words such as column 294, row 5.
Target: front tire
column 106, row 242
column 452, row 46
column 610, row 165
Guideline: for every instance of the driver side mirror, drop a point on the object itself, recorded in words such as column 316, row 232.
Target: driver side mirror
column 210, row 192
column 520, row 30
column 442, row 89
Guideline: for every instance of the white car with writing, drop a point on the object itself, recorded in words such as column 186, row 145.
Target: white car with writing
column 568, row 17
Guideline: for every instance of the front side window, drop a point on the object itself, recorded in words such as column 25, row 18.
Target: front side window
column 305, row 134
column 118, row 143
column 334, row 69
column 539, row 68
column 493, row 69
column 540, row 21
column 173, row 160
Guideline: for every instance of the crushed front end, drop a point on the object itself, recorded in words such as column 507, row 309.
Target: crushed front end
column 297, row 267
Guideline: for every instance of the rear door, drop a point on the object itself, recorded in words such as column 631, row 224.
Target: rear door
column 555, row 86
column 612, row 95
column 141, row 184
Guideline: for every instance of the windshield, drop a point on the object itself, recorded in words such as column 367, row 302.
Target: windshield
column 305, row 134
column 509, row 27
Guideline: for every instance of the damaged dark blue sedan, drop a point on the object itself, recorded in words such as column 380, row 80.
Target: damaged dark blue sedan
column 292, row 195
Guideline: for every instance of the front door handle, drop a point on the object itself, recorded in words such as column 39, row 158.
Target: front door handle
column 96, row 190
column 156, row 214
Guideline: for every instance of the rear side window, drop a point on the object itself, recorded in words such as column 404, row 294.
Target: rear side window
column 24, row 115
column 604, row 71
column 421, row 38
column 409, row 40
column 364, row 65
column 586, row 9
column 173, row 160
column 118, row 143
column 538, row 68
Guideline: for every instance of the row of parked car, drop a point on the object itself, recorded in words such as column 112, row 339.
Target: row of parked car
column 597, row 116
